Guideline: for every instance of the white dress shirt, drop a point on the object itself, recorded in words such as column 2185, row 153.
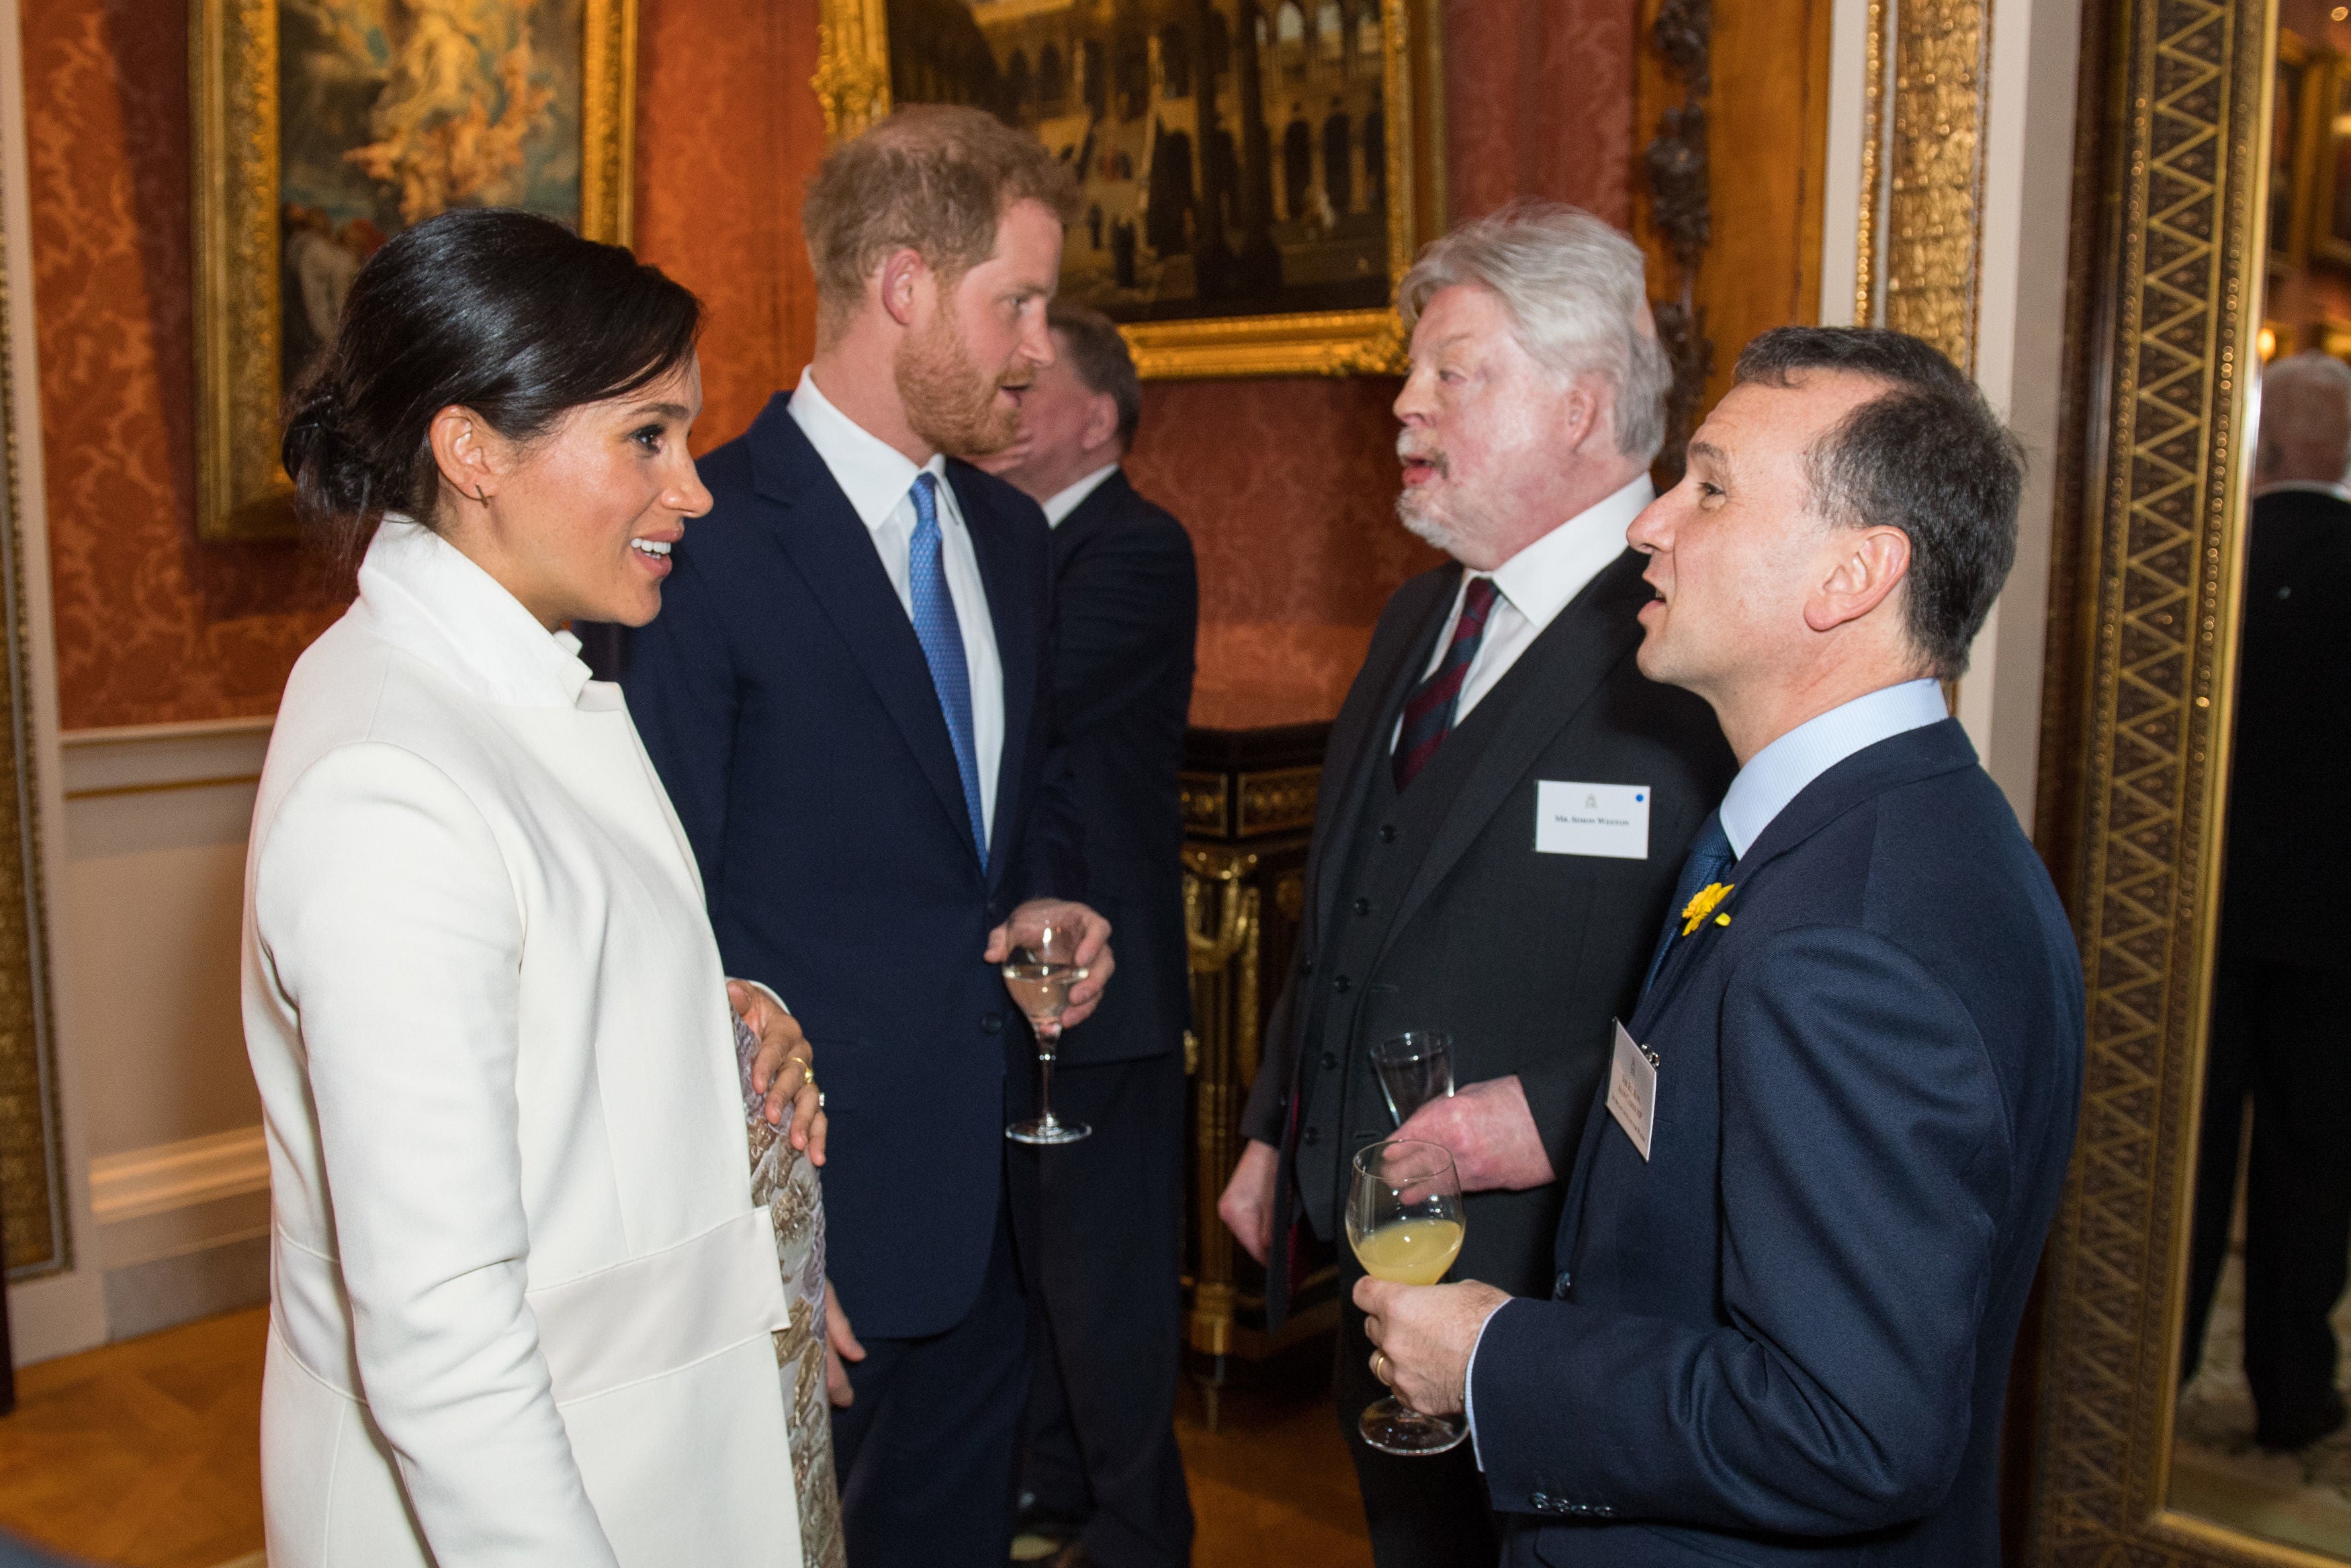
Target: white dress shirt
column 1064, row 502
column 1771, row 778
column 1533, row 585
column 879, row 480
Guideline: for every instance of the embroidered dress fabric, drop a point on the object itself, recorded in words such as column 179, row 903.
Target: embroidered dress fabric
column 785, row 1183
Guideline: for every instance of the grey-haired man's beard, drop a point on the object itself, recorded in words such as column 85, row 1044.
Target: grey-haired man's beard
column 1424, row 523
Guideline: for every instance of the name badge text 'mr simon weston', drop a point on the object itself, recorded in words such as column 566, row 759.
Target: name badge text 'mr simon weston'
column 1604, row 819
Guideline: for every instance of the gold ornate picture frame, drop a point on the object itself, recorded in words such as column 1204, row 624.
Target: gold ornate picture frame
column 2169, row 215
column 1076, row 70
column 548, row 71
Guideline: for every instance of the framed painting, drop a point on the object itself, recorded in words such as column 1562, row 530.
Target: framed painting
column 1257, row 174
column 325, row 127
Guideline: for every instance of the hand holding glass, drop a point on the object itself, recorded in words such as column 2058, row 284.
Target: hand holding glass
column 1404, row 1222
column 1039, row 972
column 1414, row 1067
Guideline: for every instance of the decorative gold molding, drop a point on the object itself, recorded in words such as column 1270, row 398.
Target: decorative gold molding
column 852, row 73
column 1201, row 798
column 852, row 88
column 1873, row 149
column 240, row 488
column 1279, row 800
column 1919, row 266
column 2174, row 280
column 38, row 1231
column 608, row 122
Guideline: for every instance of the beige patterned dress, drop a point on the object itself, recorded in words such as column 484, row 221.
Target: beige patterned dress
column 783, row 1179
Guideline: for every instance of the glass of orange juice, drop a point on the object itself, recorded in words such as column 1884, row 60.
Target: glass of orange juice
column 1404, row 1222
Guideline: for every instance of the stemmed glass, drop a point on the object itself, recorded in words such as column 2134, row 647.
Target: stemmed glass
column 1039, row 974
column 1414, row 1067
column 1404, row 1222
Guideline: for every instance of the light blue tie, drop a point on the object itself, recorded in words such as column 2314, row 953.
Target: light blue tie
column 942, row 638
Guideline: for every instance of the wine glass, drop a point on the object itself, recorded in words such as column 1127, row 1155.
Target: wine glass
column 1414, row 1067
column 1039, row 974
column 1404, row 1222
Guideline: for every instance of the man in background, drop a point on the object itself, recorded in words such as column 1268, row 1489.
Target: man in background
column 2278, row 1036
column 1457, row 881
column 1105, row 1479
column 848, row 695
column 1805, row 1215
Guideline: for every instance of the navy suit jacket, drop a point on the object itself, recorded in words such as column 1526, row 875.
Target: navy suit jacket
column 1785, row 1338
column 786, row 702
column 1128, row 614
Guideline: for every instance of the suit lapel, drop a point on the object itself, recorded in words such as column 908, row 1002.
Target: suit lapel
column 820, row 534
column 1540, row 696
column 1365, row 724
column 1892, row 763
column 1017, row 653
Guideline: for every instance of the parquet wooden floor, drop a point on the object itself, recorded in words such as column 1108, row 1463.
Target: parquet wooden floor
column 145, row 1455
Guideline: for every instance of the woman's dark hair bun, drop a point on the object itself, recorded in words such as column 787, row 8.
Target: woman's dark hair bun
column 331, row 478
column 506, row 313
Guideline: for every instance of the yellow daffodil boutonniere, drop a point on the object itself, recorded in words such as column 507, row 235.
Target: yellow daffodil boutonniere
column 1695, row 912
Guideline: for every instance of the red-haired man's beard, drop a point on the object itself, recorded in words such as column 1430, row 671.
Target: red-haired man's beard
column 950, row 402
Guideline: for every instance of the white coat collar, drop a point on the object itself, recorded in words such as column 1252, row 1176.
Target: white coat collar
column 430, row 600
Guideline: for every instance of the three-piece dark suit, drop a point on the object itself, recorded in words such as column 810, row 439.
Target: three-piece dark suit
column 1433, row 908
column 2278, row 1036
column 785, row 699
column 1784, row 1337
column 1107, row 1251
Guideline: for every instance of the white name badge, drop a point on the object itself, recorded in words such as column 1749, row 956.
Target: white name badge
column 1611, row 820
column 1633, row 1091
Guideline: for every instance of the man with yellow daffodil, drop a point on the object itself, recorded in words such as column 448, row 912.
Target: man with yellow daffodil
column 1805, row 1213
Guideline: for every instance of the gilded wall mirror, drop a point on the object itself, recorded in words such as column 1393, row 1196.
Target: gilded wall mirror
column 2186, row 1398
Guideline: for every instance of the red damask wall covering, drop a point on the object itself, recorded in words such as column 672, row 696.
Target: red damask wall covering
column 1286, row 485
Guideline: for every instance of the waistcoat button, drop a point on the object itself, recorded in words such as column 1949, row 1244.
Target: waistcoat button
column 990, row 1022
column 1362, row 905
column 1342, row 985
column 1330, row 1061
column 1387, row 832
column 1311, row 1137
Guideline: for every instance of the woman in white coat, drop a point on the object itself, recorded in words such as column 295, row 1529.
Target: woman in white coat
column 524, row 1307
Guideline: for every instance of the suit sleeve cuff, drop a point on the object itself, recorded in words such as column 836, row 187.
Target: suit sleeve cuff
column 1469, row 1382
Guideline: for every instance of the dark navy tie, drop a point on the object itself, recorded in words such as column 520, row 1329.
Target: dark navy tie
column 1428, row 713
column 941, row 636
column 1708, row 861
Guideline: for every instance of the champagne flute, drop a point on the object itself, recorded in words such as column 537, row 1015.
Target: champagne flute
column 1404, row 1221
column 1414, row 1067
column 1039, row 972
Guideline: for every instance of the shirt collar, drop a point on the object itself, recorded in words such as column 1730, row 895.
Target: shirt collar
column 872, row 473
column 2311, row 486
column 431, row 599
column 1539, row 579
column 1781, row 771
column 1065, row 502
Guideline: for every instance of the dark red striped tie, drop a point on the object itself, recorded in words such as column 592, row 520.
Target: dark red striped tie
column 1429, row 715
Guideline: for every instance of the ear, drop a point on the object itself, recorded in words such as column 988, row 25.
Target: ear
column 1101, row 429
column 1866, row 566
column 1579, row 414
column 904, row 276
column 470, row 455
